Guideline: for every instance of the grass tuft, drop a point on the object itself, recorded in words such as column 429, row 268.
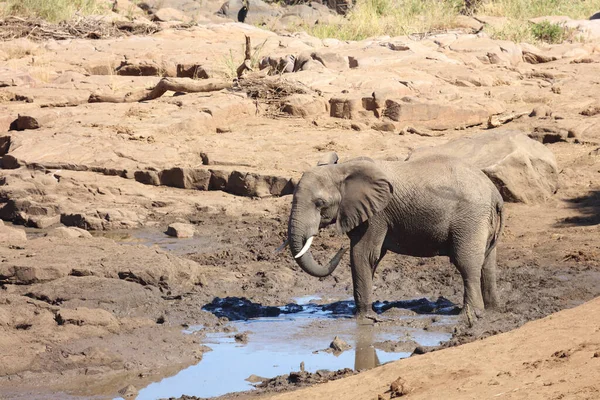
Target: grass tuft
column 53, row 10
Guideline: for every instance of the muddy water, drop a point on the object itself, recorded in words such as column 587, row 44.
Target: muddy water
column 278, row 345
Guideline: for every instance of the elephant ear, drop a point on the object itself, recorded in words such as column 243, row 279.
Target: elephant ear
column 365, row 191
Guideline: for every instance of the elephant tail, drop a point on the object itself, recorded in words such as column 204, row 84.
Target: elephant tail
column 497, row 217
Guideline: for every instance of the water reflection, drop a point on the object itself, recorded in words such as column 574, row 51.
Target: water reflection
column 365, row 355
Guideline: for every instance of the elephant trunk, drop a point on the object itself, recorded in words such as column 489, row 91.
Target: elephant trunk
column 300, row 236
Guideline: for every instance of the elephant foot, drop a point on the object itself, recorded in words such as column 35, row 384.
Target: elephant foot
column 368, row 319
column 471, row 314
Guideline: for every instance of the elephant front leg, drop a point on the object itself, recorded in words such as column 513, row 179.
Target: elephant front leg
column 365, row 254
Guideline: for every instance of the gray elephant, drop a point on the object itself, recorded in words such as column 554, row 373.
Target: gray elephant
column 424, row 208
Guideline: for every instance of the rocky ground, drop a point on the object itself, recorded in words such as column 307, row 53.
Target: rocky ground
column 86, row 303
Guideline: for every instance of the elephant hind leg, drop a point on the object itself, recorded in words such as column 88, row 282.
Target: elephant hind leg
column 469, row 264
column 488, row 281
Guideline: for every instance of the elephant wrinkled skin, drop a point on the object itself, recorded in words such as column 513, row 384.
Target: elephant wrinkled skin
column 427, row 207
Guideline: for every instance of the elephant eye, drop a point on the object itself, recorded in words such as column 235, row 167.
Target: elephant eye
column 319, row 203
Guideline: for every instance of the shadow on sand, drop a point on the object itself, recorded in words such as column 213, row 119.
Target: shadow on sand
column 588, row 207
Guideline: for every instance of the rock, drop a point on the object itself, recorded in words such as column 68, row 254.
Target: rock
column 541, row 111
column 345, row 108
column 549, row 134
column 170, row 14
column 305, row 105
column 464, row 21
column 181, row 230
column 339, row 345
column 69, row 233
column 83, row 221
column 10, row 77
column 27, row 274
column 256, row 379
column 523, row 169
column 435, row 115
column 241, row 337
column 12, row 236
column 128, row 391
column 533, row 55
column 43, row 222
column 144, row 68
column 81, row 316
column 358, row 126
column 194, row 71
column 384, row 126
column 185, row 178
column 592, row 110
column 331, row 60
column 398, row 388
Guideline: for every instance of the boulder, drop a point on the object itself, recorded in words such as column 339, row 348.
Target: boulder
column 435, row 115
column 305, row 105
column 339, row 345
column 11, row 236
column 69, row 233
column 170, row 14
column 523, row 169
column 181, row 230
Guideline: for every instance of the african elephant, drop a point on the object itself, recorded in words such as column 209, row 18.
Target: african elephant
column 424, row 208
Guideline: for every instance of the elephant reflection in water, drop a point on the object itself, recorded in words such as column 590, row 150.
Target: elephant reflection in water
column 365, row 356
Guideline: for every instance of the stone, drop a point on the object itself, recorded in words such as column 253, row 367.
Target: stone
column 384, row 126
column 464, row 21
column 194, row 71
column 339, row 345
column 542, row 111
column 170, row 14
column 69, row 233
column 549, row 134
column 522, row 169
column 147, row 177
column 181, row 230
column 305, row 105
column 128, row 391
column 331, row 60
column 10, row 77
column 142, row 68
column 82, row 221
column 81, row 316
column 11, row 236
column 43, row 222
column 28, row 274
column 218, row 179
column 185, row 178
column 435, row 115
column 345, row 108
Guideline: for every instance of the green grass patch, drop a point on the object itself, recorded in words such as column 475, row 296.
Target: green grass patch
column 53, row 10
column 548, row 32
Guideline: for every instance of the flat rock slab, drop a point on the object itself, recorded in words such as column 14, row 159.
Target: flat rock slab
column 523, row 169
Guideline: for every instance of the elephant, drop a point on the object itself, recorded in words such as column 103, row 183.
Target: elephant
column 430, row 206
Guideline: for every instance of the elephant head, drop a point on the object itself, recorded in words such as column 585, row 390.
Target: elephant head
column 344, row 194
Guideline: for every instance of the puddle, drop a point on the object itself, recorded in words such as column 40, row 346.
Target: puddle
column 155, row 237
column 277, row 345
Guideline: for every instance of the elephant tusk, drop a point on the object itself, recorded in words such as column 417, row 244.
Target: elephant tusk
column 283, row 246
column 305, row 248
